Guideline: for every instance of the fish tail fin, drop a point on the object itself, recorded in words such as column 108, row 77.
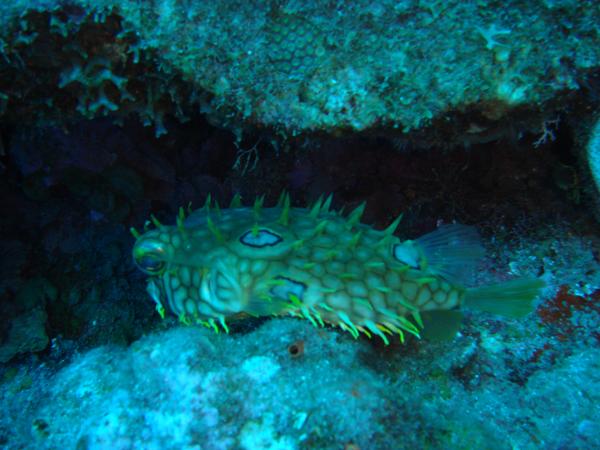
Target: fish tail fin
column 512, row 298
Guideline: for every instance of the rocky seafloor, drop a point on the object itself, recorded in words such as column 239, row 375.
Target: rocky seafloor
column 87, row 362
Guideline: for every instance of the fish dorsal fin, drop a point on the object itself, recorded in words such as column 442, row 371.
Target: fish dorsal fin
column 451, row 251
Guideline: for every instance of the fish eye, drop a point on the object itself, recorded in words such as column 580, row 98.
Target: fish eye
column 150, row 263
column 260, row 238
column 149, row 256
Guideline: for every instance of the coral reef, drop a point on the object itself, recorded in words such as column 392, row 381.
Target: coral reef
column 453, row 70
column 480, row 113
column 27, row 334
column 75, row 192
column 188, row 387
column 592, row 157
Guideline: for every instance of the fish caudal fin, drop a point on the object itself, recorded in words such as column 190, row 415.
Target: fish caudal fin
column 511, row 299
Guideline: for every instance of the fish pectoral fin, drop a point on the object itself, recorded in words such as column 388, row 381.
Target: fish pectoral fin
column 441, row 325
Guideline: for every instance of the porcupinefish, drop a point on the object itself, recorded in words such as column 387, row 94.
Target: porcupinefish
column 320, row 265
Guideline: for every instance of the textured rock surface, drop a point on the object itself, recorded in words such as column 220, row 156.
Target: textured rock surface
column 73, row 183
column 593, row 153
column 188, row 388
column 26, row 335
column 297, row 67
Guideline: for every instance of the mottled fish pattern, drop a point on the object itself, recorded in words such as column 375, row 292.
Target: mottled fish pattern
column 317, row 264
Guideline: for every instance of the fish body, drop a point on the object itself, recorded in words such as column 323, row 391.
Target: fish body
column 313, row 263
